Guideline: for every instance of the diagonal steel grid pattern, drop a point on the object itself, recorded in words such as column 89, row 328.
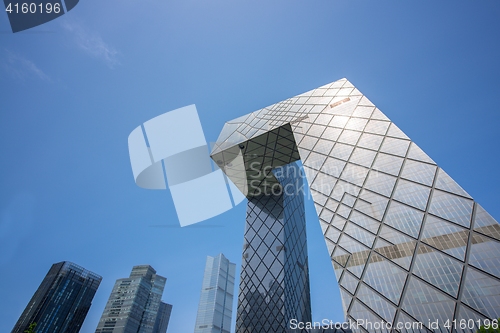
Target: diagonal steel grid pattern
column 407, row 243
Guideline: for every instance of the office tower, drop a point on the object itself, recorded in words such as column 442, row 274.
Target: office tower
column 407, row 243
column 161, row 323
column 274, row 285
column 216, row 299
column 62, row 301
column 135, row 304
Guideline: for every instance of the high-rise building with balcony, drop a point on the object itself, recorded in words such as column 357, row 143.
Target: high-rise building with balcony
column 408, row 245
column 216, row 299
column 62, row 300
column 135, row 304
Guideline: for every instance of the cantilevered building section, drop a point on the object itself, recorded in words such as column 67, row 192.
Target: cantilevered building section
column 407, row 243
column 62, row 301
column 274, row 285
column 135, row 304
column 216, row 299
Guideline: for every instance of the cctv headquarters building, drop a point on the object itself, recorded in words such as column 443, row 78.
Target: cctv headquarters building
column 407, row 244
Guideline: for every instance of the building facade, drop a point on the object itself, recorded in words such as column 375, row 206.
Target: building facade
column 274, row 285
column 408, row 245
column 216, row 299
column 62, row 300
column 135, row 305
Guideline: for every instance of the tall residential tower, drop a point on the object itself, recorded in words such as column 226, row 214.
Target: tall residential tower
column 135, row 305
column 216, row 299
column 62, row 301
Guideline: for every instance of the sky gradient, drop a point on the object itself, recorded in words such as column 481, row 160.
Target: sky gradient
column 73, row 89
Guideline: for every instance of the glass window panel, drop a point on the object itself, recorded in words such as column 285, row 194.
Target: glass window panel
column 469, row 316
column 362, row 157
column 332, row 234
column 324, row 119
column 385, row 309
column 340, row 255
column 354, row 174
column 395, row 146
column 363, row 111
column 412, row 194
column 323, row 146
column 451, row 207
column 349, row 282
column 394, row 131
column 339, row 121
column 349, row 137
column 333, row 167
column 366, row 102
column 308, row 142
column 332, row 133
column 388, row 163
column 438, row 269
column 385, row 277
column 400, row 249
column 348, row 200
column 420, row 172
column 445, row 236
column 360, row 234
column 426, row 303
column 377, row 114
column 377, row 126
column 365, row 221
column 338, row 222
column 445, row 182
column 332, row 204
column 485, row 254
column 346, row 299
column 357, row 124
column 416, row 153
column 404, row 218
column 326, row 215
column 315, row 160
column 482, row 293
column 370, row 141
column 316, row 130
column 366, row 317
column 372, row 204
column 342, row 151
column 343, row 187
column 324, row 183
column 485, row 223
column 380, row 183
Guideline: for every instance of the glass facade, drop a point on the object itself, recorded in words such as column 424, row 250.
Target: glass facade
column 274, row 286
column 135, row 306
column 407, row 243
column 62, row 301
column 216, row 299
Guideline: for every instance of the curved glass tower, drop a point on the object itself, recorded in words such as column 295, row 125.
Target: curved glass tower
column 408, row 245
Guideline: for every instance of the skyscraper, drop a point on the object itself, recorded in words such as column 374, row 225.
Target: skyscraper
column 62, row 301
column 407, row 243
column 216, row 299
column 274, row 285
column 135, row 304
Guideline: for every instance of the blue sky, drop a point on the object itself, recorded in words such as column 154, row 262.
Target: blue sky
column 73, row 89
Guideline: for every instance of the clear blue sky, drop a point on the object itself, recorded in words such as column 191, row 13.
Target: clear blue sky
column 73, row 89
